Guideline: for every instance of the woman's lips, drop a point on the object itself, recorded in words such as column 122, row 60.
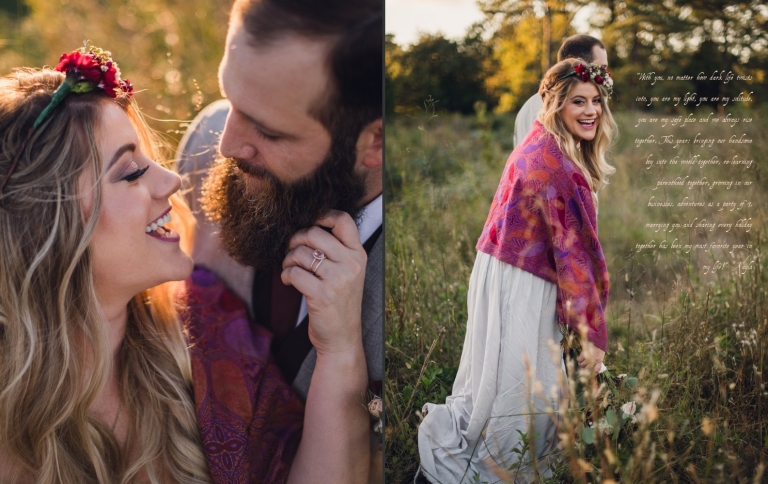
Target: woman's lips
column 165, row 235
column 158, row 230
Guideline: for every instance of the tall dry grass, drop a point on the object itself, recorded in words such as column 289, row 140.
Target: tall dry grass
column 696, row 342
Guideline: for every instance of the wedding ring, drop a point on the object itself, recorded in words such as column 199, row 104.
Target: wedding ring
column 318, row 256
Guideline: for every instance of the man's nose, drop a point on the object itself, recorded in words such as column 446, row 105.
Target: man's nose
column 234, row 141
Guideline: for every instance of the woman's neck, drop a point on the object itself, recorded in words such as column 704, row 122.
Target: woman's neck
column 117, row 320
column 107, row 404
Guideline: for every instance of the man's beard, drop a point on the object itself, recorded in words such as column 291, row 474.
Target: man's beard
column 257, row 223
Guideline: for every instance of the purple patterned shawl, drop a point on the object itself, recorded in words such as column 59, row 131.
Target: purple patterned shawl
column 543, row 221
column 249, row 418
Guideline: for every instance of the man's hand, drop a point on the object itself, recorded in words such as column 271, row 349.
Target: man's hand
column 334, row 292
column 591, row 357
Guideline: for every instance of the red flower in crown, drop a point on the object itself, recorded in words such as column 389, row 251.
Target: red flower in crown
column 581, row 71
column 599, row 74
column 110, row 81
column 83, row 64
column 95, row 66
column 126, row 86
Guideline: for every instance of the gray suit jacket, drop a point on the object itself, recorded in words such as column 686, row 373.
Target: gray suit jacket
column 197, row 150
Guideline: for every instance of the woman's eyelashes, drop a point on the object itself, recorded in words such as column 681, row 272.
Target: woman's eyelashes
column 135, row 175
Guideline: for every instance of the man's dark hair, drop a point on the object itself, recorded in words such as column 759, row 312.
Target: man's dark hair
column 578, row 46
column 355, row 93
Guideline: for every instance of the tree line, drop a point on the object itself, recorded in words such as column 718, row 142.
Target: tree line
column 500, row 61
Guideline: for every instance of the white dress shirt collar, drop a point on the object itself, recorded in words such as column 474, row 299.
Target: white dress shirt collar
column 371, row 218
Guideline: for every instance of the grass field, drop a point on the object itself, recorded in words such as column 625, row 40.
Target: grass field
column 695, row 337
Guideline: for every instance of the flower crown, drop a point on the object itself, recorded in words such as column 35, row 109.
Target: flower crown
column 597, row 74
column 86, row 69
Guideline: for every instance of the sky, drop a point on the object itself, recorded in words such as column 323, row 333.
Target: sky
column 407, row 18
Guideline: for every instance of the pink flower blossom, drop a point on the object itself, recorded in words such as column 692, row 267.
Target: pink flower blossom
column 629, row 408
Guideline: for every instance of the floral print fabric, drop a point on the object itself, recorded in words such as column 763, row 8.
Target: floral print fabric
column 543, row 221
column 250, row 420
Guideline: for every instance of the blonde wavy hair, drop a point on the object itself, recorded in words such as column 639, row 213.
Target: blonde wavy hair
column 589, row 156
column 54, row 352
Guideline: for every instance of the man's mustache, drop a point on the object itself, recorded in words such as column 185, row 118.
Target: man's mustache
column 254, row 170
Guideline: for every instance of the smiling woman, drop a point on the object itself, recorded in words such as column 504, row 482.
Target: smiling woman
column 74, row 407
column 539, row 268
column 96, row 366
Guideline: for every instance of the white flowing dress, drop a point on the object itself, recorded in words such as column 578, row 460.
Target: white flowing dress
column 512, row 342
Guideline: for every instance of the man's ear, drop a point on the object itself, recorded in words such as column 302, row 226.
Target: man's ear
column 370, row 145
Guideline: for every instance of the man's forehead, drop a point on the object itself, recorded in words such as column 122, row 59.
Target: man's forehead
column 308, row 52
column 599, row 56
column 291, row 70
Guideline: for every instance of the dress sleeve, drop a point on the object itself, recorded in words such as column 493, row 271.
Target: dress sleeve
column 582, row 274
column 250, row 419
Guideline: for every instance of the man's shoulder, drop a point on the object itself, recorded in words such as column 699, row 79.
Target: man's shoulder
column 526, row 116
column 534, row 103
column 206, row 128
column 215, row 111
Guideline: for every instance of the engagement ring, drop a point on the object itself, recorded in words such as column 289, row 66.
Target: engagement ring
column 318, row 256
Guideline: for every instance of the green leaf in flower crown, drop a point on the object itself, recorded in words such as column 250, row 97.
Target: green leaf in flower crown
column 83, row 87
column 611, row 417
column 631, row 381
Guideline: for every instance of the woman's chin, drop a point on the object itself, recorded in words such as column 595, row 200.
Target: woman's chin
column 585, row 136
column 178, row 270
column 185, row 268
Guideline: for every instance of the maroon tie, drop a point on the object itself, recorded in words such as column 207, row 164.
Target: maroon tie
column 285, row 303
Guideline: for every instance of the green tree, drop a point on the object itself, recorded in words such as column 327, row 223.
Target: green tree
column 436, row 67
column 683, row 37
column 393, row 53
column 527, row 35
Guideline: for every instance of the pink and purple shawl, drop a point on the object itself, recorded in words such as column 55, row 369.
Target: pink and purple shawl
column 250, row 420
column 543, row 221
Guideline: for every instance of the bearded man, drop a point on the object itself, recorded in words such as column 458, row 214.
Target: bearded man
column 293, row 192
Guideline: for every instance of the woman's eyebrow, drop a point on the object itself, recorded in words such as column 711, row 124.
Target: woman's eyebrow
column 120, row 151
